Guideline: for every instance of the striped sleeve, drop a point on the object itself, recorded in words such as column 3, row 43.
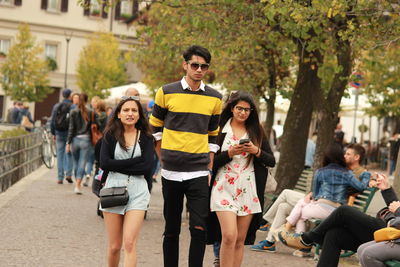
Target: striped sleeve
column 159, row 112
column 213, row 127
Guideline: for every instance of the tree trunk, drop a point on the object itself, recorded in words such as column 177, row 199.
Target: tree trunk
column 269, row 121
column 330, row 105
column 270, row 100
column 294, row 139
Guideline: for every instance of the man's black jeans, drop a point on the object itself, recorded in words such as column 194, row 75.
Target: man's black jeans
column 197, row 195
column 345, row 228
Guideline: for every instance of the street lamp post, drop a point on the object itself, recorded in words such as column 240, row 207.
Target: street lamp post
column 353, row 138
column 68, row 39
column 356, row 84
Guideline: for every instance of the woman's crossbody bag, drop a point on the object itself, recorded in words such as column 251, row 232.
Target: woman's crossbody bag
column 116, row 196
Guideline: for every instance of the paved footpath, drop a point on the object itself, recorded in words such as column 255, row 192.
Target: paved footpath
column 46, row 225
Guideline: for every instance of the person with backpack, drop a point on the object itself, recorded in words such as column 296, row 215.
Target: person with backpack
column 59, row 128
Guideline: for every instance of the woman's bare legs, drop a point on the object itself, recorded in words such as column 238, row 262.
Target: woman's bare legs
column 133, row 222
column 114, row 223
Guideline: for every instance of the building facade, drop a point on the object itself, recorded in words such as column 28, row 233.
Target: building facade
column 61, row 27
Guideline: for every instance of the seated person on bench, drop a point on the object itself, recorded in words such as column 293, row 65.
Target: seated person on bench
column 281, row 208
column 346, row 228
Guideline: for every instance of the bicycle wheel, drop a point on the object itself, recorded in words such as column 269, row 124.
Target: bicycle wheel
column 47, row 154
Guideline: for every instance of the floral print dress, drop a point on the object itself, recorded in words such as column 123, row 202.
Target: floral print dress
column 234, row 188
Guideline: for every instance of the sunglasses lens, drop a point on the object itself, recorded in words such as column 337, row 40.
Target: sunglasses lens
column 204, row 67
column 194, row 66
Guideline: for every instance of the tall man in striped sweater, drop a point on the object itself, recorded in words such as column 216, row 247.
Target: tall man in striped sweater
column 185, row 123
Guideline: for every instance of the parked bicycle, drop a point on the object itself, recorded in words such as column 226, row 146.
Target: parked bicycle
column 48, row 145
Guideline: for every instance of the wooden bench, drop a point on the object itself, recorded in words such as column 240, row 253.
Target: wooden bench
column 303, row 185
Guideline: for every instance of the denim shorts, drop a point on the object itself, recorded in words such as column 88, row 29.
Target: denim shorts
column 139, row 195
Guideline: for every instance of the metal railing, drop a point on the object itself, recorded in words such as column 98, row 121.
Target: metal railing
column 19, row 156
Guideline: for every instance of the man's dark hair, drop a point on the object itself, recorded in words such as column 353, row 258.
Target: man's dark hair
column 196, row 50
column 358, row 149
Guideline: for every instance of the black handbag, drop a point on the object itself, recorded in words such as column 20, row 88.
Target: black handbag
column 114, row 196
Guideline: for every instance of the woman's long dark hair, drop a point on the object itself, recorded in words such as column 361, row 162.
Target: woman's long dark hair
column 83, row 98
column 334, row 154
column 253, row 127
column 114, row 125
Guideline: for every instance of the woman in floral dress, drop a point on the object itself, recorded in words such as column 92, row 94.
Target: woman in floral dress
column 240, row 172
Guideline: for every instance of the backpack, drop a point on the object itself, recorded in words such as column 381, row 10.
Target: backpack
column 61, row 121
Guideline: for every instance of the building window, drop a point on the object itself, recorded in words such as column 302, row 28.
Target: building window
column 4, row 46
column 53, row 5
column 125, row 7
column 50, row 53
column 6, row 2
column 95, row 8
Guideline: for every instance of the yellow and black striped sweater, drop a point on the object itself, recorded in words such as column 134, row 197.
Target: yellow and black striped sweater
column 188, row 121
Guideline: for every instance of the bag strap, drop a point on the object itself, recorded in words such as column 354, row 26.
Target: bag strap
column 133, row 151
column 136, row 139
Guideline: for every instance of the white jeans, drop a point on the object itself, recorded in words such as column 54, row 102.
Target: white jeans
column 303, row 211
column 281, row 208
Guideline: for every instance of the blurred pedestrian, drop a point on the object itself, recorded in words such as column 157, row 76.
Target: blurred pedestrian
column 98, row 107
column 75, row 100
column 60, row 116
column 79, row 141
column 12, row 113
column 127, row 155
column 394, row 143
column 25, row 117
column 109, row 110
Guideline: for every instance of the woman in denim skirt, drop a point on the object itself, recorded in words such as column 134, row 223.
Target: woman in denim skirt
column 127, row 155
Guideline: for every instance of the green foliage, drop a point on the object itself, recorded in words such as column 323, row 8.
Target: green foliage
column 243, row 47
column 24, row 72
column 13, row 133
column 51, row 63
column 362, row 128
column 318, row 25
column 382, row 67
column 100, row 66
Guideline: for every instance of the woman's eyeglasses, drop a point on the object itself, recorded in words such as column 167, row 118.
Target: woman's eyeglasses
column 196, row 66
column 131, row 97
column 240, row 109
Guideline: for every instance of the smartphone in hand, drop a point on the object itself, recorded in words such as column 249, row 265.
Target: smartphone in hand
column 244, row 141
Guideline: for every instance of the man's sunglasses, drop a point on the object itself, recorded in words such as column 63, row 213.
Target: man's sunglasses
column 196, row 66
column 131, row 97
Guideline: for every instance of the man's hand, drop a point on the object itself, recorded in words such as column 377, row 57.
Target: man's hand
column 68, row 148
column 394, row 206
column 382, row 182
column 372, row 183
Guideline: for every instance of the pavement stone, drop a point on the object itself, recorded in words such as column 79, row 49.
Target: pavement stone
column 46, row 225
